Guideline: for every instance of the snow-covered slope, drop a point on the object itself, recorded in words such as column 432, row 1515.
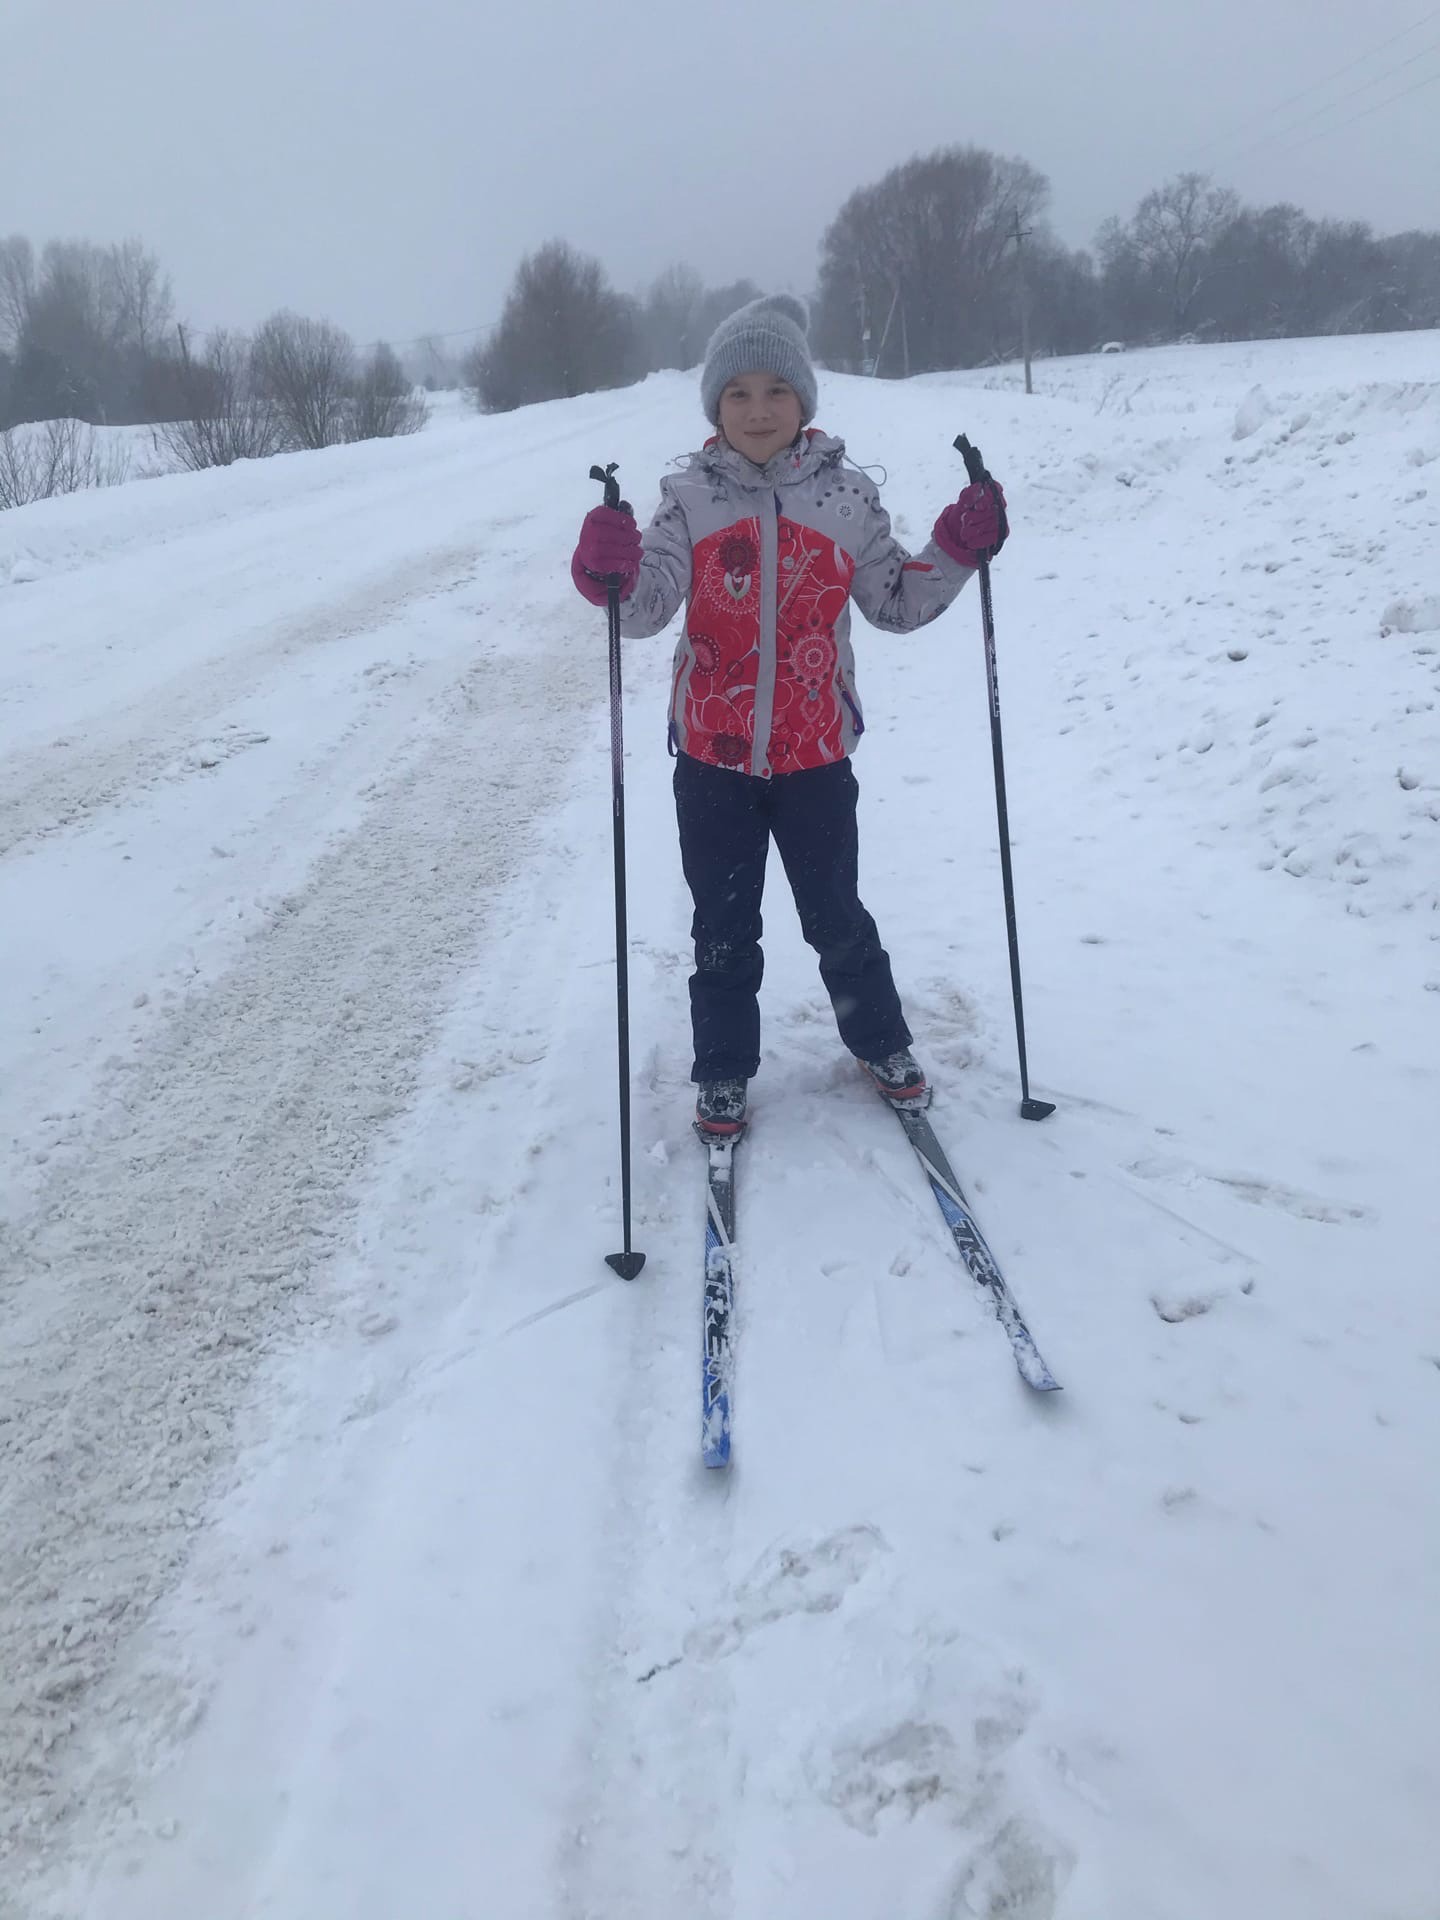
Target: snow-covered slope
column 356, row 1556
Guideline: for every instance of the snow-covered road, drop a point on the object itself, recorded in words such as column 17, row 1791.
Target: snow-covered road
column 356, row 1559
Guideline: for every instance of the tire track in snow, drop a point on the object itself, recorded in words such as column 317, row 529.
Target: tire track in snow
column 89, row 766
column 193, row 1237
column 90, row 763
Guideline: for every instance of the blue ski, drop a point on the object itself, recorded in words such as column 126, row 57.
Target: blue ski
column 717, row 1355
column 973, row 1251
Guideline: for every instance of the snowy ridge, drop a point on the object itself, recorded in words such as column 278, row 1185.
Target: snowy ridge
column 356, row 1554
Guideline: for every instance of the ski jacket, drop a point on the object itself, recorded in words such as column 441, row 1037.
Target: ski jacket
column 767, row 560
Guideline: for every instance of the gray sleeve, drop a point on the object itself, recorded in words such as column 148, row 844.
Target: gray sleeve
column 664, row 577
column 895, row 590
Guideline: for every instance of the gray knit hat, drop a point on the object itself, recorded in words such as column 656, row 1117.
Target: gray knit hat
column 768, row 336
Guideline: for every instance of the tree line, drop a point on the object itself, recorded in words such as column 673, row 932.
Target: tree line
column 928, row 268
column 88, row 338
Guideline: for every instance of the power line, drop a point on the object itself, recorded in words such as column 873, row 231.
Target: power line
column 1323, row 133
column 420, row 339
column 1329, row 106
column 1336, row 73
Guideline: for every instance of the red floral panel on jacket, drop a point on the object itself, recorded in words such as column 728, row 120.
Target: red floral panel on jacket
column 724, row 630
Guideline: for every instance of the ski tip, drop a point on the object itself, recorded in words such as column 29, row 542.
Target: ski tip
column 1036, row 1109
column 627, row 1265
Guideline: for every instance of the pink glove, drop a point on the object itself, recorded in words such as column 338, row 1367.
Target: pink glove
column 609, row 544
column 975, row 528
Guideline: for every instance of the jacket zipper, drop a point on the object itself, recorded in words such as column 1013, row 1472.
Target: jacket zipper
column 767, row 664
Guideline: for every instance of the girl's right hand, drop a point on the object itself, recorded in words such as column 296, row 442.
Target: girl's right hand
column 609, row 544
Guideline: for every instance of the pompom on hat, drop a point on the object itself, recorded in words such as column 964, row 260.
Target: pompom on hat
column 768, row 336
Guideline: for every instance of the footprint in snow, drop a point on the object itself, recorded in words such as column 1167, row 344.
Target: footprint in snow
column 880, row 1770
column 1173, row 1308
column 1014, row 1876
column 810, row 1579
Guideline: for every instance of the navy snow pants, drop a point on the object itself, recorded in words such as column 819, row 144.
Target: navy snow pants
column 726, row 823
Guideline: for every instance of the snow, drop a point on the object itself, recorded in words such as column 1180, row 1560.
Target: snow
column 357, row 1559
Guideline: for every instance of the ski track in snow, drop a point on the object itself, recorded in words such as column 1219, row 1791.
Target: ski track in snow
column 358, row 1557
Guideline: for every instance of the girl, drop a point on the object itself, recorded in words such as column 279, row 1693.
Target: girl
column 767, row 534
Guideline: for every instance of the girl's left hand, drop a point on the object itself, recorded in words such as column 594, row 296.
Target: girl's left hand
column 975, row 528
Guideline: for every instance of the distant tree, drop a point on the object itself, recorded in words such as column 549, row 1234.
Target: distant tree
column 1414, row 261
column 1132, row 307
column 221, row 415
column 678, row 313
column 1255, row 284
column 305, row 369
column 1064, row 297
column 140, row 295
column 717, row 304
column 1350, row 283
column 933, row 239
column 37, row 462
column 45, row 386
column 383, row 401
column 82, row 322
column 564, row 331
column 1155, row 266
column 670, row 322
column 17, row 285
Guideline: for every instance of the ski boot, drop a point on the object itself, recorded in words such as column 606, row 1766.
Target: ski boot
column 900, row 1078
column 720, row 1106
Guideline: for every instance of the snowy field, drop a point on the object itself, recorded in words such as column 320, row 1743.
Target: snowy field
column 356, row 1562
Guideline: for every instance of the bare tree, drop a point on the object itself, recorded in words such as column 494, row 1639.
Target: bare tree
column 141, row 296
column 564, row 331
column 223, row 418
column 17, row 286
column 305, row 369
column 932, row 238
column 670, row 319
column 58, row 456
column 85, row 323
column 1173, row 231
column 383, row 402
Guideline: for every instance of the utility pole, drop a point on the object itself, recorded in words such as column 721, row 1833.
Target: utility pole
column 879, row 351
column 1020, row 235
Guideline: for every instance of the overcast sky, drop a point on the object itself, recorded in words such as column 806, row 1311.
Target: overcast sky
column 387, row 162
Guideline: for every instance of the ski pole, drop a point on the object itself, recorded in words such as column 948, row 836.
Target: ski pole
column 628, row 1263
column 1029, row 1109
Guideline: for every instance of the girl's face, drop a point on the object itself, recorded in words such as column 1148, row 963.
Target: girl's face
column 759, row 414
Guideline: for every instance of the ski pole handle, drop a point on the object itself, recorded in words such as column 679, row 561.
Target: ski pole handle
column 606, row 477
column 970, row 454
